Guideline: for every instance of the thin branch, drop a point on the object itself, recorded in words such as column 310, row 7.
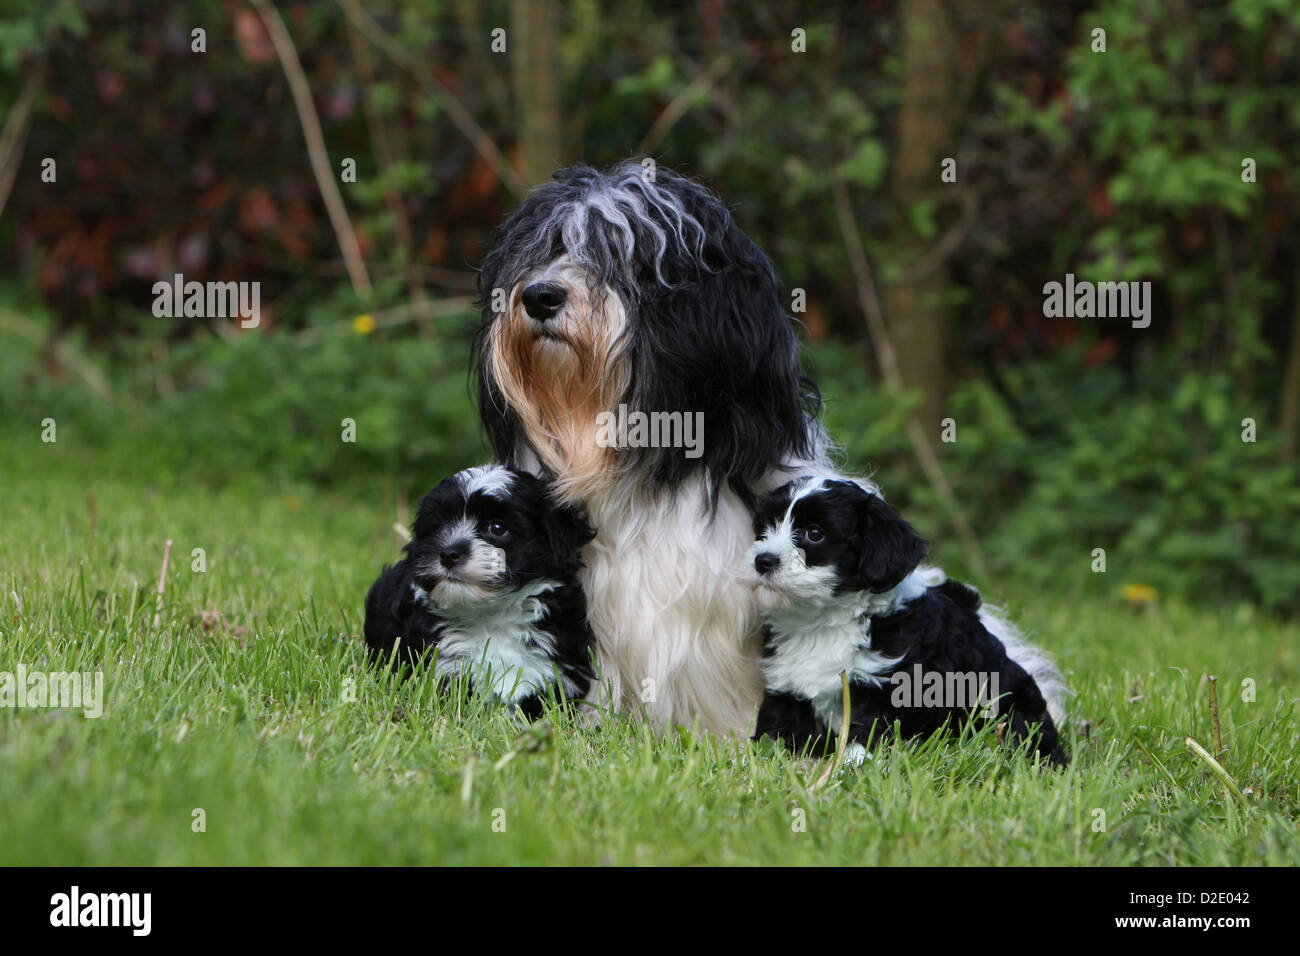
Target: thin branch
column 305, row 265
column 387, row 318
column 682, row 103
column 950, row 242
column 1214, row 716
column 867, row 297
column 311, row 131
column 456, row 110
column 66, row 355
column 889, row 367
column 162, row 584
column 1194, row 748
column 379, row 138
column 14, row 136
column 724, row 101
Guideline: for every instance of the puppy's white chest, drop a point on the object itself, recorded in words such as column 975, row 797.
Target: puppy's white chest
column 503, row 665
column 499, row 644
column 812, row 648
column 809, row 664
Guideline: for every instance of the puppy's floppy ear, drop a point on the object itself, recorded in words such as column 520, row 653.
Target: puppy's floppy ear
column 891, row 547
column 568, row 530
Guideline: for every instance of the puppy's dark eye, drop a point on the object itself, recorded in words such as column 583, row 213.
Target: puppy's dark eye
column 497, row 529
column 813, row 534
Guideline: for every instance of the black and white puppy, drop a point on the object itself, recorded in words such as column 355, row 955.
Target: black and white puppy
column 835, row 572
column 490, row 579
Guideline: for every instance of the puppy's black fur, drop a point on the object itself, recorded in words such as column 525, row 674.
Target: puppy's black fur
column 441, row 597
column 871, row 548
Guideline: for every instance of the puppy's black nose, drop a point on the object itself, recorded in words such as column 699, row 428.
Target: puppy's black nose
column 453, row 554
column 766, row 561
column 542, row 300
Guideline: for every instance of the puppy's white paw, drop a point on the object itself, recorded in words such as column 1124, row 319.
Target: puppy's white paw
column 855, row 755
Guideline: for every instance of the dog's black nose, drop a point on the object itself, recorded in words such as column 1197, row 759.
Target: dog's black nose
column 453, row 554
column 766, row 561
column 543, row 299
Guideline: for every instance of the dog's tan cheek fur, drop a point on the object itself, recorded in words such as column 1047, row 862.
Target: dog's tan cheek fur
column 558, row 392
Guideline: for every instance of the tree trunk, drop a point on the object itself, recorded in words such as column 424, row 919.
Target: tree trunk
column 915, row 313
column 535, row 66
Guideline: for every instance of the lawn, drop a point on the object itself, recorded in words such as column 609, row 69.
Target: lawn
column 251, row 702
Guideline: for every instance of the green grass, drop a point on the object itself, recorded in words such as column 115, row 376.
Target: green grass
column 251, row 721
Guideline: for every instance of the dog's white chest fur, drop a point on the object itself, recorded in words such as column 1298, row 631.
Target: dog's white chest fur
column 814, row 641
column 498, row 643
column 676, row 627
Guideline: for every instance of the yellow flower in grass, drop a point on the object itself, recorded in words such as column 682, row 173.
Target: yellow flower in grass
column 1139, row 595
column 363, row 324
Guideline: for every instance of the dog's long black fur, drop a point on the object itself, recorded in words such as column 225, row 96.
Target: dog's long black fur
column 708, row 329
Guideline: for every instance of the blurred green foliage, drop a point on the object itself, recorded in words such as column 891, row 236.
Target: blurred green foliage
column 1071, row 435
column 1059, row 459
column 264, row 408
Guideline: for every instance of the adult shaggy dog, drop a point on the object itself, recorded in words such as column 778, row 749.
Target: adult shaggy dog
column 635, row 287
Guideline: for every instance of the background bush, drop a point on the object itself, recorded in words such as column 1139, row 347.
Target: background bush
column 1071, row 434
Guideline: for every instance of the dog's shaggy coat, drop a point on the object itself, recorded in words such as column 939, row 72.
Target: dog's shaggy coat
column 636, row 287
